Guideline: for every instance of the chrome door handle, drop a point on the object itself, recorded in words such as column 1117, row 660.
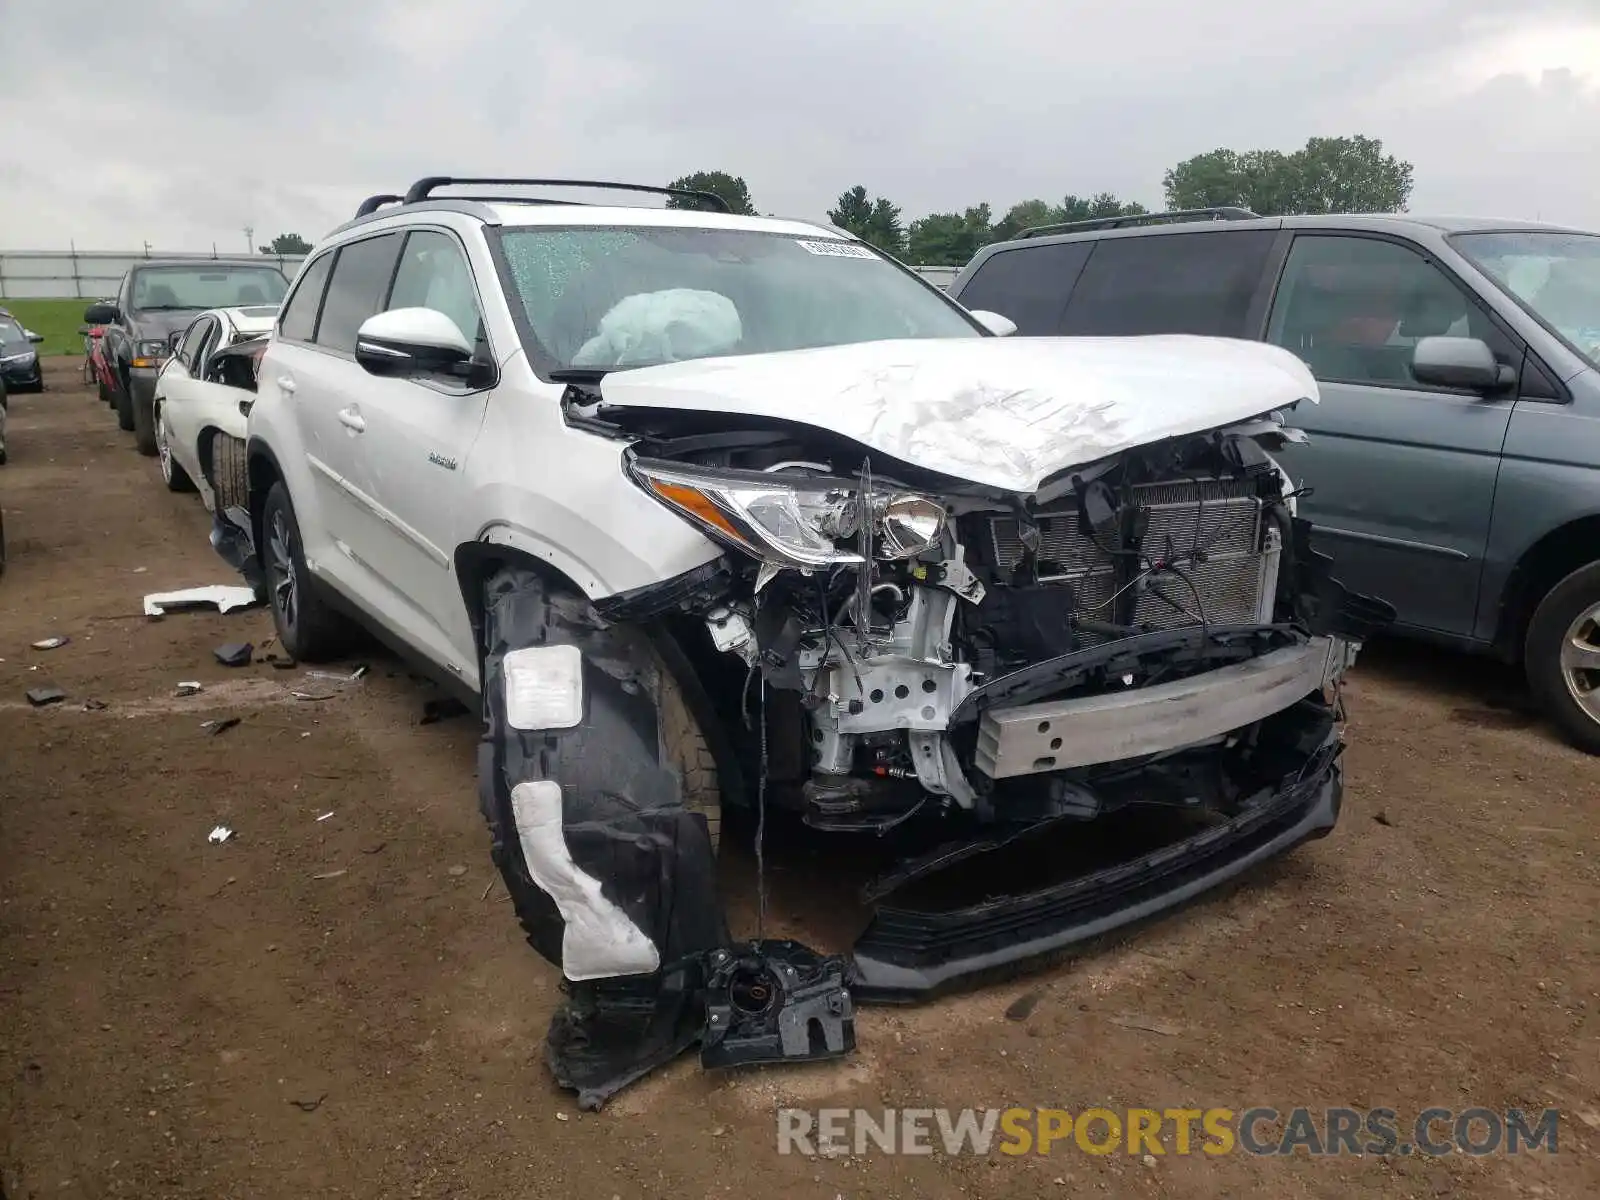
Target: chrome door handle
column 351, row 419
column 286, row 384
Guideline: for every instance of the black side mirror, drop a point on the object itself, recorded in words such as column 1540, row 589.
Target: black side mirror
column 1460, row 362
column 35, row 338
column 101, row 314
column 173, row 339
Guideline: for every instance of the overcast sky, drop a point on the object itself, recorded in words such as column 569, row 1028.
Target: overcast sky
column 179, row 123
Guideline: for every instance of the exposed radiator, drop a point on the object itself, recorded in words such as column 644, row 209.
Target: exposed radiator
column 1220, row 517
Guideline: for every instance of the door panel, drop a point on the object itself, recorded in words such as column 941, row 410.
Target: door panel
column 1402, row 475
column 328, row 387
column 416, row 442
column 418, row 433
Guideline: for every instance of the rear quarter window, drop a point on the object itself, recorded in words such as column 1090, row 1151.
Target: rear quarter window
column 1200, row 283
column 1029, row 284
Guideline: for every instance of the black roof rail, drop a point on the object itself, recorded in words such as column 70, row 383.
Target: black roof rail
column 1223, row 213
column 373, row 203
column 423, row 188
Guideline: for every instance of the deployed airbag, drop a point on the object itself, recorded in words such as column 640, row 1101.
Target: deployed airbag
column 658, row 327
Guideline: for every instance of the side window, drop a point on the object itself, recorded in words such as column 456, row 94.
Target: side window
column 1029, row 284
column 360, row 280
column 190, row 344
column 1170, row 283
column 208, row 343
column 299, row 320
column 433, row 273
column 1354, row 308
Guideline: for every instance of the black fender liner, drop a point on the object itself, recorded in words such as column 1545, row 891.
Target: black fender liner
column 622, row 812
column 623, row 825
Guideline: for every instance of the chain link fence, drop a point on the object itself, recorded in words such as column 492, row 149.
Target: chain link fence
column 93, row 274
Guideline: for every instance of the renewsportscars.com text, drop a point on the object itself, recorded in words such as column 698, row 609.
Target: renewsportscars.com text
column 828, row 1132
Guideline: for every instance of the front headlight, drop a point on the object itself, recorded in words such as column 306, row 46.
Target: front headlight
column 22, row 356
column 793, row 522
column 151, row 353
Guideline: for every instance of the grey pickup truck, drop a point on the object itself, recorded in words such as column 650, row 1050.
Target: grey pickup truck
column 158, row 299
column 1453, row 464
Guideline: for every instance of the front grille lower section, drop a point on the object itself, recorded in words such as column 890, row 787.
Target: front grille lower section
column 1213, row 527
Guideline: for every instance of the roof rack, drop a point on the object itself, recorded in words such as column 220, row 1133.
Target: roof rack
column 423, row 188
column 1224, row 213
column 373, row 203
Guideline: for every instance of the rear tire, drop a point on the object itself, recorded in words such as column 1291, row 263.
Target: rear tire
column 309, row 629
column 172, row 472
column 1561, row 656
column 230, row 472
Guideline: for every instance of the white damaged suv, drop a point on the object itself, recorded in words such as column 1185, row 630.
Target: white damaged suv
column 715, row 510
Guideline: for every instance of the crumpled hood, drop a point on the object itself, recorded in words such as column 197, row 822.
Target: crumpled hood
column 1004, row 412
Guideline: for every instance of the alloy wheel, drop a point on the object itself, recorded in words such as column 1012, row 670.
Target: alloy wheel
column 163, row 448
column 282, row 577
column 1580, row 661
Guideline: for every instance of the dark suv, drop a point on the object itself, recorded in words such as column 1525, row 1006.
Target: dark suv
column 158, row 299
column 1453, row 463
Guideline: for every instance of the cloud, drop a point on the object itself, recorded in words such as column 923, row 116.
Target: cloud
column 184, row 127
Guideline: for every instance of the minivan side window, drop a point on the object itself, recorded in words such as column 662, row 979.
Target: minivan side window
column 299, row 320
column 1171, row 283
column 361, row 276
column 1353, row 308
column 1029, row 284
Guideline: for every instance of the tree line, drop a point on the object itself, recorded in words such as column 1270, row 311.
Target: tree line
column 1327, row 175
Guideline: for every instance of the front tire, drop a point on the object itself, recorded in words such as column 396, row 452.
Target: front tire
column 172, row 472
column 1562, row 656
column 144, row 427
column 309, row 629
column 125, row 406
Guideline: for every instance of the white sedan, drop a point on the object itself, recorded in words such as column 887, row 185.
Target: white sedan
column 200, row 427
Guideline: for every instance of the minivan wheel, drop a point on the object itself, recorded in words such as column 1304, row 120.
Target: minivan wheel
column 1562, row 656
column 309, row 630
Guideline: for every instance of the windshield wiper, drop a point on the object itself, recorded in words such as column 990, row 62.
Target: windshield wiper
column 579, row 375
column 168, row 308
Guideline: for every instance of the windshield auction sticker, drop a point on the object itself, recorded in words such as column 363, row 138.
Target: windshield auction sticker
column 832, row 249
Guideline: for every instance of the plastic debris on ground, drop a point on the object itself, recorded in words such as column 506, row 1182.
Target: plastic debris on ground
column 223, row 597
column 51, row 643
column 234, row 654
column 325, row 816
column 219, row 835
column 216, row 727
column 188, row 688
column 40, row 696
column 337, row 677
column 93, row 705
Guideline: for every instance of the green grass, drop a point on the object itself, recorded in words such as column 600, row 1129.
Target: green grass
column 58, row 320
